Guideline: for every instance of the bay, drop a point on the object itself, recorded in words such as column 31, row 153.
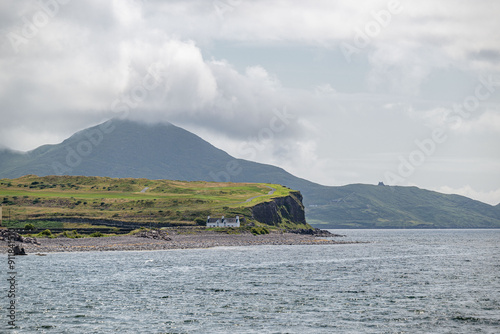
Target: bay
column 402, row 281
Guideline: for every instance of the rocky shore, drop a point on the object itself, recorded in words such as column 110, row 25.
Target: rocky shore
column 160, row 240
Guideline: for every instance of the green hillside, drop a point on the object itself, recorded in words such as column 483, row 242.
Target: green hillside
column 130, row 200
column 369, row 206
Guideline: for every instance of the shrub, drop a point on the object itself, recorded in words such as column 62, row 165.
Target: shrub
column 72, row 234
column 259, row 230
column 96, row 235
column 200, row 221
column 6, row 201
column 29, row 227
column 46, row 233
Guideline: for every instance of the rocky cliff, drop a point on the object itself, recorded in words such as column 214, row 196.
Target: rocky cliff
column 285, row 211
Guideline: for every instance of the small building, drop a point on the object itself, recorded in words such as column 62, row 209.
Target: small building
column 223, row 222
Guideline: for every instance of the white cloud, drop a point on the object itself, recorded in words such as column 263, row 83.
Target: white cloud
column 93, row 53
column 487, row 122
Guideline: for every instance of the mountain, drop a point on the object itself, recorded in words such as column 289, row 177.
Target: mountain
column 120, row 148
column 370, row 206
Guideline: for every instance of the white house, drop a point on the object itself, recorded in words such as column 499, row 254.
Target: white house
column 223, row 222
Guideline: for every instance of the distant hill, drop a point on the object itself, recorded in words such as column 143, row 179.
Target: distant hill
column 370, row 206
column 120, row 148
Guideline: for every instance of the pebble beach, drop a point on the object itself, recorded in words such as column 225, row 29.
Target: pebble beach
column 172, row 241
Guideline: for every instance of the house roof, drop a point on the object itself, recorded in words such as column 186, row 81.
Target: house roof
column 227, row 220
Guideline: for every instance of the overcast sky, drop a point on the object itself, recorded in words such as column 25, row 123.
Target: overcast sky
column 336, row 92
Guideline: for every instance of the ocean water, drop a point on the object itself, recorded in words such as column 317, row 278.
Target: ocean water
column 403, row 281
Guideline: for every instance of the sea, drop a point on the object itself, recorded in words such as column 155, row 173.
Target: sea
column 400, row 281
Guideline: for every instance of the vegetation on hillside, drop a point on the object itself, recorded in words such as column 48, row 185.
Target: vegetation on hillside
column 368, row 206
column 178, row 203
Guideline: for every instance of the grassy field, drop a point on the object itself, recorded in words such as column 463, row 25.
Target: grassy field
column 133, row 200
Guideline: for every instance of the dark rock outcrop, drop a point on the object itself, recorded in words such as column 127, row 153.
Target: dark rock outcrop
column 315, row 232
column 7, row 235
column 153, row 234
column 19, row 250
column 281, row 211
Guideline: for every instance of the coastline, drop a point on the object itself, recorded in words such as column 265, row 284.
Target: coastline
column 174, row 241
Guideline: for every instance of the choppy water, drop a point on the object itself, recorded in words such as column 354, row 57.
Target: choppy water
column 405, row 281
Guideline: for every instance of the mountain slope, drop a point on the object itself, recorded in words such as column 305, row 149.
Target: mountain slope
column 119, row 148
column 370, row 206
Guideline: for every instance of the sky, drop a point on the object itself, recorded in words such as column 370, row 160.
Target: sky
column 336, row 92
